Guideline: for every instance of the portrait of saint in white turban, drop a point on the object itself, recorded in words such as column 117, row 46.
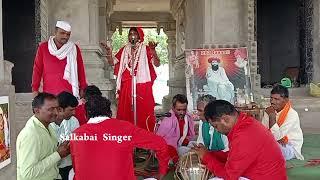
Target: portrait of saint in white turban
column 218, row 83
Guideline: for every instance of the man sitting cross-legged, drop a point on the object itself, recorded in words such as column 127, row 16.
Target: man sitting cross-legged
column 177, row 130
column 283, row 122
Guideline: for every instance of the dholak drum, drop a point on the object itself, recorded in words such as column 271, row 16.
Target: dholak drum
column 189, row 167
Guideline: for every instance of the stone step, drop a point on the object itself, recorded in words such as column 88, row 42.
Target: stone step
column 308, row 108
column 23, row 109
column 24, row 97
column 306, row 103
column 293, row 92
column 21, row 122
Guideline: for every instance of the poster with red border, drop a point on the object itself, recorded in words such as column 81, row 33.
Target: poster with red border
column 5, row 154
column 220, row 72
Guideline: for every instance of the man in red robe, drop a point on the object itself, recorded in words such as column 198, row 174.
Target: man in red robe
column 142, row 58
column 59, row 64
column 108, row 150
column 254, row 153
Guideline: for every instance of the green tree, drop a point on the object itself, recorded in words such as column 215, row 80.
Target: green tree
column 150, row 34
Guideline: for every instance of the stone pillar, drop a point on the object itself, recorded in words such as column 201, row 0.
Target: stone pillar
column 166, row 101
column 109, row 69
column 224, row 21
column 84, row 18
column 42, row 29
column 316, row 41
column 178, row 84
column 252, row 47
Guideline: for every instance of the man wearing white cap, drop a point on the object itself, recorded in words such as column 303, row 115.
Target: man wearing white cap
column 59, row 63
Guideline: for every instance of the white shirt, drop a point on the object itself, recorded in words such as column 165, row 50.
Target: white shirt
column 65, row 129
column 211, row 131
column 290, row 128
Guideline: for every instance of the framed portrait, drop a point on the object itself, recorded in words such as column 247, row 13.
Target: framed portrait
column 222, row 72
column 5, row 153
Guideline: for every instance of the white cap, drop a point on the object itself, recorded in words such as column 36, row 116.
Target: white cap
column 64, row 25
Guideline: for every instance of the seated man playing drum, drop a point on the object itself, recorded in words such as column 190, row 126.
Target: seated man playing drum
column 254, row 152
column 177, row 130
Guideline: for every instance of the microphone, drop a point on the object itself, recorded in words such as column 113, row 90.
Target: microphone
column 133, row 39
column 160, row 115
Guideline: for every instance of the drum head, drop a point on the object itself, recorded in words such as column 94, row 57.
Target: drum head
column 189, row 167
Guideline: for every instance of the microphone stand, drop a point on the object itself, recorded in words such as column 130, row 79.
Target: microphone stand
column 134, row 97
column 133, row 86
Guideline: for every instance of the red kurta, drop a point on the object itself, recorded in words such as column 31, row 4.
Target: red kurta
column 253, row 154
column 110, row 160
column 145, row 99
column 81, row 114
column 51, row 69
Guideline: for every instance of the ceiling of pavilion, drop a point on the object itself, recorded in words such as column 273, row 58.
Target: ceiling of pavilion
column 145, row 13
column 142, row 5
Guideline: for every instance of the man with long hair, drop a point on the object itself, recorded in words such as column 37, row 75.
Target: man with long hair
column 141, row 58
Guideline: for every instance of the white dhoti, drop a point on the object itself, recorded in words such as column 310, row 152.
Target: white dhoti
column 287, row 151
column 71, row 174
